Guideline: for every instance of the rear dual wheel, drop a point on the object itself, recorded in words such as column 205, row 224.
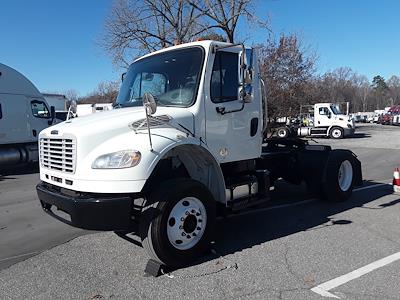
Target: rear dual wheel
column 340, row 176
column 178, row 222
column 338, row 180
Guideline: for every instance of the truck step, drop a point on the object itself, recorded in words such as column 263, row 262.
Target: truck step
column 246, row 202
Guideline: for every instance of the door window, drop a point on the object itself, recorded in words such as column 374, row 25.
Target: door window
column 225, row 77
column 323, row 111
column 39, row 109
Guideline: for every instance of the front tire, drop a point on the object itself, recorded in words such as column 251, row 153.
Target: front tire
column 178, row 222
column 283, row 132
column 336, row 133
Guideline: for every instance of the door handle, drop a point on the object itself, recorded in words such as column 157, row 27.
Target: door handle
column 220, row 110
column 253, row 126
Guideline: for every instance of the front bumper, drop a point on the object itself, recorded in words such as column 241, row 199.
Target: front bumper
column 349, row 131
column 88, row 211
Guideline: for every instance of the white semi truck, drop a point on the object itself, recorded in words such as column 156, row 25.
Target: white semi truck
column 184, row 142
column 23, row 114
column 320, row 120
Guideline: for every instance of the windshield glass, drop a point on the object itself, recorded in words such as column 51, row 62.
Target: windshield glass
column 171, row 77
column 335, row 110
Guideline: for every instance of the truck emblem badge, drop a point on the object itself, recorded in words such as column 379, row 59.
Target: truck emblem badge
column 54, row 132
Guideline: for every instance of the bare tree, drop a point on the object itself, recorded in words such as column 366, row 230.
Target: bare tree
column 287, row 68
column 137, row 27
column 72, row 95
column 394, row 86
column 225, row 14
column 106, row 92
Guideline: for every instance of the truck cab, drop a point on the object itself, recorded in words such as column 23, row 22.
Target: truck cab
column 183, row 143
column 329, row 117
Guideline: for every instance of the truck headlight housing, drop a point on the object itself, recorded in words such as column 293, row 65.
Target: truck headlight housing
column 117, row 160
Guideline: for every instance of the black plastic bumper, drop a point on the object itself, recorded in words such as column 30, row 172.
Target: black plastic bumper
column 93, row 212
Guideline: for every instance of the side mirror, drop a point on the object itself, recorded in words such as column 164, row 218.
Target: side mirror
column 329, row 115
column 247, row 93
column 247, row 76
column 52, row 115
column 149, row 104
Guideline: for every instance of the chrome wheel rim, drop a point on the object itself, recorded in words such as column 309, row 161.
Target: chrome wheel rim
column 336, row 133
column 345, row 175
column 282, row 133
column 186, row 223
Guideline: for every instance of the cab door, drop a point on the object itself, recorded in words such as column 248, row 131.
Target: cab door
column 232, row 126
column 324, row 116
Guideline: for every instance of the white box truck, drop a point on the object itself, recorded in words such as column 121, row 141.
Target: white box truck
column 184, row 142
column 23, row 114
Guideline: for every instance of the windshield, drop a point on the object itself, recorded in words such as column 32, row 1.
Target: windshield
column 335, row 110
column 171, row 77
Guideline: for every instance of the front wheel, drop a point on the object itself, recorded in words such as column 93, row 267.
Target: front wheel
column 178, row 222
column 282, row 132
column 336, row 133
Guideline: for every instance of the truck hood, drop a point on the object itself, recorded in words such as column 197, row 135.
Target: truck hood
column 342, row 117
column 120, row 119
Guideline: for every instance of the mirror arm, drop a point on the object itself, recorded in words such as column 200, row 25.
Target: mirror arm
column 52, row 115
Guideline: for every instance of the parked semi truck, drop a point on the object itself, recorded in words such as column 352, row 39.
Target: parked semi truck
column 184, row 143
column 23, row 114
column 319, row 120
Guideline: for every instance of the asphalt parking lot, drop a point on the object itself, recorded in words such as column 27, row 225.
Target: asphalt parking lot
column 297, row 248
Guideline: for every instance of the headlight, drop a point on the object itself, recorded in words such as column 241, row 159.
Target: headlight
column 117, row 160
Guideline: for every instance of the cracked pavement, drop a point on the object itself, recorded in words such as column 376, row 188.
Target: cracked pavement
column 269, row 254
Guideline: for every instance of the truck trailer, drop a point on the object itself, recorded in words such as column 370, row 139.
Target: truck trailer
column 183, row 145
column 23, row 114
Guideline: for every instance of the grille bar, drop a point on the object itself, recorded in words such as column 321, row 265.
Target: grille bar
column 58, row 154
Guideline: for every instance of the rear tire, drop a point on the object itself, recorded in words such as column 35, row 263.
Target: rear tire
column 178, row 222
column 339, row 176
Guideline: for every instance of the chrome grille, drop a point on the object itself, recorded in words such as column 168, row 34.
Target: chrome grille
column 58, row 154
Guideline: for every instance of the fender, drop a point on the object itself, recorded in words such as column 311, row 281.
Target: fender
column 198, row 161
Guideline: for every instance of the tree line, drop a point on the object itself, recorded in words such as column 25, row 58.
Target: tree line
column 287, row 65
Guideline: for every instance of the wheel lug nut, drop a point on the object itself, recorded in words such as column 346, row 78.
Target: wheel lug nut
column 188, row 236
column 183, row 234
column 187, row 213
column 181, row 227
column 182, row 219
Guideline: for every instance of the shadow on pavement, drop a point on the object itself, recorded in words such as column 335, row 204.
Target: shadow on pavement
column 18, row 170
column 245, row 231
column 250, row 228
column 360, row 135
